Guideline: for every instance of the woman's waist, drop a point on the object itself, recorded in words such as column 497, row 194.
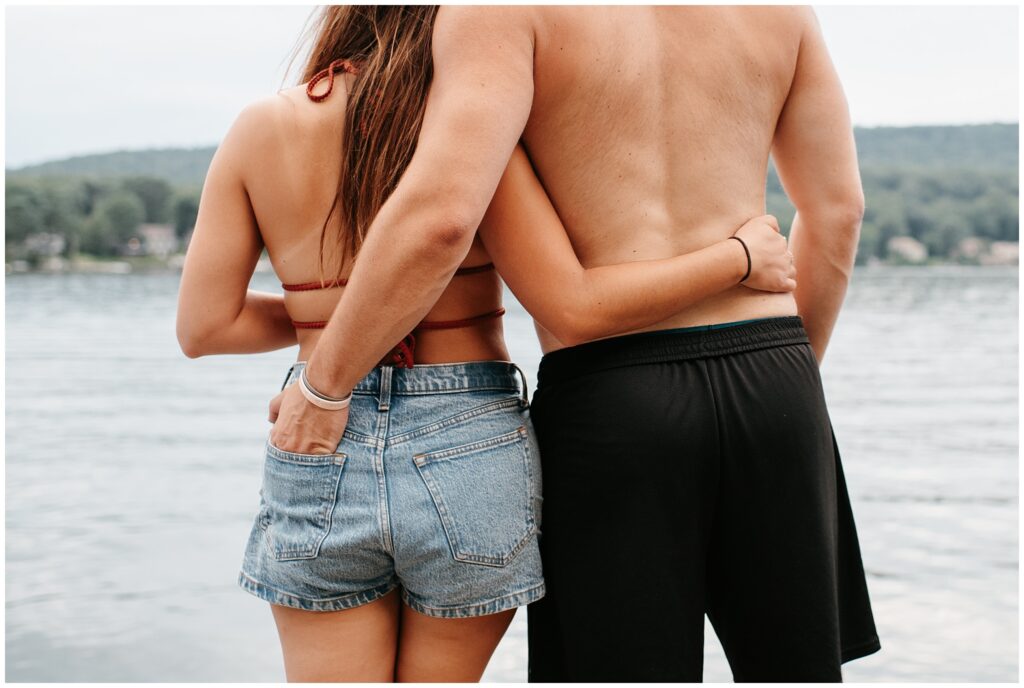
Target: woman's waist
column 480, row 341
column 499, row 376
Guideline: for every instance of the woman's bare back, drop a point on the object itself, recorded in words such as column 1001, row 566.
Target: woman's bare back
column 294, row 148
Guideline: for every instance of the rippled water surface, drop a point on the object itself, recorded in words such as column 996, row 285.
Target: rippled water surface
column 132, row 477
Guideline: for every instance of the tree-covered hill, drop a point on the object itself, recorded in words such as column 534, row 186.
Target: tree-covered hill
column 937, row 185
column 979, row 147
column 184, row 167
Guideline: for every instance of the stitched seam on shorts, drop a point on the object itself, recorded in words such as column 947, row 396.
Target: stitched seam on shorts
column 519, row 599
column 851, row 652
column 454, row 420
column 519, row 435
column 445, row 454
column 457, row 390
column 296, row 553
column 306, row 459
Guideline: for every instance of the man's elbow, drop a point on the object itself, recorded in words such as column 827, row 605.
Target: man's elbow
column 452, row 229
column 443, row 218
column 850, row 213
column 836, row 217
column 444, row 239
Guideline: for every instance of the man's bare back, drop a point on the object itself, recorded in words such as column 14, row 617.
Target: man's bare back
column 653, row 126
column 651, row 130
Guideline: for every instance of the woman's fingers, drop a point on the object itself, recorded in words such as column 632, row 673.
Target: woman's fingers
column 771, row 221
column 275, row 407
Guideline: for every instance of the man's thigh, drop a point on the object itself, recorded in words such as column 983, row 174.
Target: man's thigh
column 629, row 469
column 773, row 586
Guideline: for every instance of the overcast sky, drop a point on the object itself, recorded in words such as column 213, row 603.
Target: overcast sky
column 92, row 79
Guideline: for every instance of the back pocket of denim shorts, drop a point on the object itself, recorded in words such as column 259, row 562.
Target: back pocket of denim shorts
column 482, row 494
column 299, row 492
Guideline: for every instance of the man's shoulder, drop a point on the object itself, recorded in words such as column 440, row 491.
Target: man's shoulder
column 485, row 14
column 474, row 32
column 796, row 18
column 454, row 21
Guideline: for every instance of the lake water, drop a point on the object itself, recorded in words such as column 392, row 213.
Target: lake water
column 132, row 478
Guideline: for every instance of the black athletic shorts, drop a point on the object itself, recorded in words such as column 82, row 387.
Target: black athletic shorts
column 692, row 472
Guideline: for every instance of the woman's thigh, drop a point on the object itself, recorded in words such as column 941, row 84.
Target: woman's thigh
column 432, row 649
column 352, row 645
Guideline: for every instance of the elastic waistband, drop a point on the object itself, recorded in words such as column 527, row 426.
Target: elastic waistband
column 435, row 378
column 660, row 346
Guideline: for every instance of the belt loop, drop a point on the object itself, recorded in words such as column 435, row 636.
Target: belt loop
column 288, row 375
column 526, row 394
column 384, row 394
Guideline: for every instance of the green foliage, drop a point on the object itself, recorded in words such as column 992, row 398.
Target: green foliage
column 977, row 146
column 23, row 213
column 155, row 195
column 186, row 208
column 113, row 222
column 178, row 166
column 938, row 185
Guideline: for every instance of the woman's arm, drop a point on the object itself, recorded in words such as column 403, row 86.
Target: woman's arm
column 531, row 250
column 217, row 313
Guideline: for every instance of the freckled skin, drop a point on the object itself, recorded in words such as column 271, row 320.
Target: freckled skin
column 686, row 124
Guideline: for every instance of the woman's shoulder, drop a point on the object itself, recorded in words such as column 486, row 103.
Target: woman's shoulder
column 264, row 118
column 290, row 111
column 264, row 126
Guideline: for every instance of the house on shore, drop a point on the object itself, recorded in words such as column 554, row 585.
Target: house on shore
column 153, row 240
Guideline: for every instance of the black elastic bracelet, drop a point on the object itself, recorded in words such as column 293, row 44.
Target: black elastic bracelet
column 747, row 251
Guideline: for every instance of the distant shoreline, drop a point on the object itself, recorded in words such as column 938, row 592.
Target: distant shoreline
column 90, row 265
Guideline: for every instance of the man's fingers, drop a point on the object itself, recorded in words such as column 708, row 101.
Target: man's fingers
column 772, row 222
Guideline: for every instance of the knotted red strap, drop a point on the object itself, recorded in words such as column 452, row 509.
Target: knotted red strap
column 403, row 354
column 328, row 74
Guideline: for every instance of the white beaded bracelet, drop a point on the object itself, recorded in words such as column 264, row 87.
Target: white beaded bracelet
column 317, row 399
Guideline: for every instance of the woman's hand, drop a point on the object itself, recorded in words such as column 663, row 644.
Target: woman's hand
column 771, row 263
column 301, row 428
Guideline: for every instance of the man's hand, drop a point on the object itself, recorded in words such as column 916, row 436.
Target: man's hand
column 771, row 262
column 302, row 428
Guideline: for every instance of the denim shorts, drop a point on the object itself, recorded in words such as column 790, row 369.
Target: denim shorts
column 435, row 489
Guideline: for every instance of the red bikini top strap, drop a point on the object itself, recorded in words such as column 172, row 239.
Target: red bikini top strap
column 424, row 325
column 474, row 269
column 311, row 286
column 328, row 74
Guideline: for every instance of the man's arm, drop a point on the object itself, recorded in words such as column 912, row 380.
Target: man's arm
column 477, row 109
column 529, row 246
column 816, row 158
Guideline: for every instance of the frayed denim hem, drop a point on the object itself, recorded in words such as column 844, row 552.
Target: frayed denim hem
column 330, row 604
column 500, row 604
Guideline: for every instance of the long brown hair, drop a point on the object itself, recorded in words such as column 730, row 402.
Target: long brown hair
column 391, row 47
